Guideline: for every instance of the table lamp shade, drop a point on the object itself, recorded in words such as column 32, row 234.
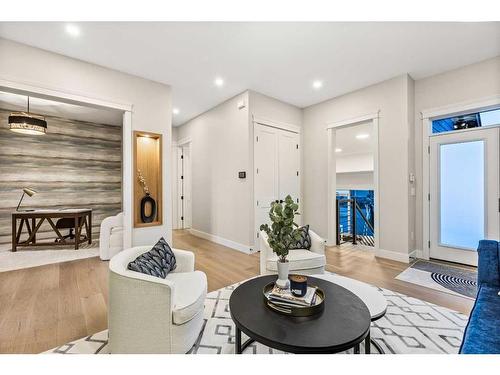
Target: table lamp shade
column 29, row 192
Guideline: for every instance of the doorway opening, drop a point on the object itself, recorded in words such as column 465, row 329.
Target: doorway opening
column 96, row 131
column 354, row 165
column 353, row 182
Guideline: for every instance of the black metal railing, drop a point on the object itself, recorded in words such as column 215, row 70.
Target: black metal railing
column 352, row 224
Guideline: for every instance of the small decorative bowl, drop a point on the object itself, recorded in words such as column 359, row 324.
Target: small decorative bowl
column 298, row 285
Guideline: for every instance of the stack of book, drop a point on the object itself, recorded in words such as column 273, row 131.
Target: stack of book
column 285, row 299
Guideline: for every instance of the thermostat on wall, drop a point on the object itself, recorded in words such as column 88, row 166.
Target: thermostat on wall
column 242, row 174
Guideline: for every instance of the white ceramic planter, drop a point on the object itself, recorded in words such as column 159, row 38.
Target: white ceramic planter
column 283, row 269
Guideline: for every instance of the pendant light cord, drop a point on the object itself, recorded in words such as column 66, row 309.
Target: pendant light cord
column 28, row 104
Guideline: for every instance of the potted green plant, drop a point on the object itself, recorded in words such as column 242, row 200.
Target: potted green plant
column 282, row 233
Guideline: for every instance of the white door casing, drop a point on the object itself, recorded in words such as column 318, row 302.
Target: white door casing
column 277, row 170
column 487, row 139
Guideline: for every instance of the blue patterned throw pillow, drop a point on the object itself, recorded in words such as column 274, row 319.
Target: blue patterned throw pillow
column 158, row 261
column 305, row 239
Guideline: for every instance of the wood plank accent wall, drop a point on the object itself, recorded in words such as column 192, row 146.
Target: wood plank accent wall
column 76, row 164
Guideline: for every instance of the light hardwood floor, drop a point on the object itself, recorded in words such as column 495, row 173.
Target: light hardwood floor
column 47, row 306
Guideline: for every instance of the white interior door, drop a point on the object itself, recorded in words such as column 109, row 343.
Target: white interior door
column 464, row 191
column 288, row 166
column 180, row 187
column 277, row 161
column 266, row 169
column 184, row 186
column 187, row 181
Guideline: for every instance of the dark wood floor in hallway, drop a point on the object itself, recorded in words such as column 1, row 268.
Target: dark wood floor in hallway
column 47, row 306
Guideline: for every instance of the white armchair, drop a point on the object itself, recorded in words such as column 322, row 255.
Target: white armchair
column 302, row 261
column 111, row 236
column 149, row 314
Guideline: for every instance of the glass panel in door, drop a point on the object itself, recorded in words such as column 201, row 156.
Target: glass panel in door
column 462, row 201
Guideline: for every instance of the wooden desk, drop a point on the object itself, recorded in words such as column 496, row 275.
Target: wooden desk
column 82, row 218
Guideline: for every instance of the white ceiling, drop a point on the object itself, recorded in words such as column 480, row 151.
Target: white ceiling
column 345, row 139
column 277, row 59
column 15, row 102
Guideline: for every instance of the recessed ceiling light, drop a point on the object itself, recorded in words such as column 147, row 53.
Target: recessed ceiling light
column 72, row 30
column 338, row 150
column 219, row 82
column 362, row 136
column 317, row 84
column 175, row 111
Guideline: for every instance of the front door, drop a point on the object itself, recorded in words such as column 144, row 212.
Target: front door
column 464, row 193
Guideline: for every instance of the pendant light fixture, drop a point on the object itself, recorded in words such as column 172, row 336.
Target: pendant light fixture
column 27, row 123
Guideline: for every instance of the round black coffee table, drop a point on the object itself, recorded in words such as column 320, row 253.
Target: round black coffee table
column 343, row 324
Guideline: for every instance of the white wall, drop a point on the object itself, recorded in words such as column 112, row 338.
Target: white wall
column 355, row 171
column 151, row 103
column 390, row 97
column 219, row 150
column 221, row 146
column 410, row 112
column 355, row 181
column 467, row 84
column 354, row 163
column 263, row 106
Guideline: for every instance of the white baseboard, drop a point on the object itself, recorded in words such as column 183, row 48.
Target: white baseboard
column 222, row 241
column 399, row 257
column 417, row 253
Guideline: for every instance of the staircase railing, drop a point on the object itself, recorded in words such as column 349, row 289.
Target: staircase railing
column 350, row 233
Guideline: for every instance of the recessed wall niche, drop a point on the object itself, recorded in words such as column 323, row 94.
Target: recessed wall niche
column 147, row 179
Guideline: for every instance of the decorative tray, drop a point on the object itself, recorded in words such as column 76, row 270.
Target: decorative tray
column 314, row 309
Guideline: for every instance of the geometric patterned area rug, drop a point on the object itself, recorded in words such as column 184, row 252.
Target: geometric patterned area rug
column 443, row 277
column 410, row 326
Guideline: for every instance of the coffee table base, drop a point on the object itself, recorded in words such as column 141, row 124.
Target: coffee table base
column 240, row 347
column 377, row 346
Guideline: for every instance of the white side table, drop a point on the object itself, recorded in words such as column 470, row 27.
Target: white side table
column 373, row 299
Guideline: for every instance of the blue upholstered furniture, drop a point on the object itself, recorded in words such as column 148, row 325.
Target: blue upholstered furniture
column 482, row 334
